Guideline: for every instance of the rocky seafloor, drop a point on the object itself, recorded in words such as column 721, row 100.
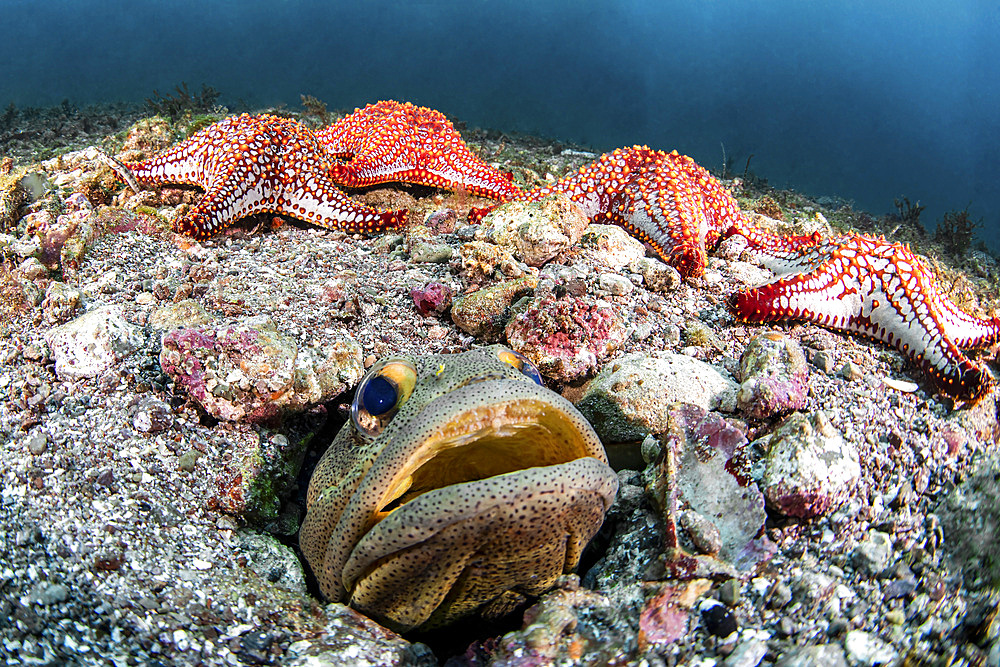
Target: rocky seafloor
column 806, row 500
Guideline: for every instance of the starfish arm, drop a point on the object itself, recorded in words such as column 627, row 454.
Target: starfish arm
column 967, row 331
column 311, row 196
column 229, row 198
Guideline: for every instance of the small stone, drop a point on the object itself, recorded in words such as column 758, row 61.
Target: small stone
column 703, row 533
column 822, row 360
column 809, row 468
column 614, row 284
column 484, row 313
column 183, row 314
column 52, row 594
column 729, row 592
column 656, row 275
column 823, row 655
column 864, row 648
column 895, row 617
column 630, row 396
column 610, row 245
column 872, row 555
column 780, row 595
column 60, row 302
column 535, row 232
column 850, row 371
column 152, row 416
column 566, row 338
column 718, row 619
column 774, row 376
column 144, row 298
column 37, row 443
column 747, row 654
column 92, row 343
column 186, row 461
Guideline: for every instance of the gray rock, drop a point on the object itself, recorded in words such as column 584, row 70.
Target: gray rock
column 809, row 469
column 60, row 302
column 430, row 253
column 250, row 371
column 273, row 561
column 184, row 313
column 611, row 246
column 863, row 648
column 37, row 443
column 629, row 398
column 970, row 518
column 152, row 415
column 824, row 655
column 614, row 284
column 535, row 232
column 873, row 553
column 348, row 638
column 48, row 594
column 747, row 654
column 656, row 275
column 92, row 343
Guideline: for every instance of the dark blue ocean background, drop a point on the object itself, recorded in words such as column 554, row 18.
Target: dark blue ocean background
column 864, row 100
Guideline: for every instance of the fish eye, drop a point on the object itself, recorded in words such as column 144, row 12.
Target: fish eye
column 521, row 363
column 380, row 394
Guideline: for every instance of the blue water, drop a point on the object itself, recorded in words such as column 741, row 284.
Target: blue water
column 866, row 100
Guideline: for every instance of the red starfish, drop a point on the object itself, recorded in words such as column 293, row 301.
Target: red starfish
column 663, row 199
column 865, row 285
column 392, row 141
column 256, row 164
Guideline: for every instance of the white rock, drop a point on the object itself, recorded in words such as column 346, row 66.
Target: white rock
column 92, row 343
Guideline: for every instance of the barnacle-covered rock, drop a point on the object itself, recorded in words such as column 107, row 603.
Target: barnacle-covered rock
column 774, row 374
column 484, row 313
column 482, row 262
column 810, row 469
column 535, row 232
column 61, row 300
column 566, row 337
column 252, row 372
column 657, row 276
column 630, row 397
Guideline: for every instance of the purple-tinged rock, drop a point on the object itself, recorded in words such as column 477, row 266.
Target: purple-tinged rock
column 252, row 372
column 775, row 378
column 809, row 468
column 566, row 337
column 432, row 299
column 92, row 343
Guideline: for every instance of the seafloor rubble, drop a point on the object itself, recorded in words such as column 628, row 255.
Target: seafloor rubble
column 804, row 501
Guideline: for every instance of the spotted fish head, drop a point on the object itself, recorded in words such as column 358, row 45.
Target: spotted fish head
column 459, row 485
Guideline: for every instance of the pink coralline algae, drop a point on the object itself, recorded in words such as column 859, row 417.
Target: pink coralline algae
column 566, row 337
column 775, row 376
column 251, row 372
column 432, row 299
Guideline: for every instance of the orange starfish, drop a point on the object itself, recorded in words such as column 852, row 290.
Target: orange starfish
column 664, row 199
column 256, row 164
column 392, row 141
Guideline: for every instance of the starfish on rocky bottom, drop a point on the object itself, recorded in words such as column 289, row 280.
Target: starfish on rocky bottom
column 256, row 164
column 392, row 141
column 664, row 199
column 869, row 286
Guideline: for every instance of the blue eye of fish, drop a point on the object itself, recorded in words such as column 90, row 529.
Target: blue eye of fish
column 521, row 363
column 380, row 395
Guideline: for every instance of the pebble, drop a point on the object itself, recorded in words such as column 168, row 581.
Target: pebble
column 822, row 360
column 188, row 459
column 729, row 592
column 863, row 648
column 823, row 655
column 747, row 654
column 718, row 619
column 873, row 553
column 52, row 594
column 37, row 443
column 614, row 284
column 780, row 595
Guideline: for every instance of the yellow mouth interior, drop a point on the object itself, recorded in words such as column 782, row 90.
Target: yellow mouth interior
column 484, row 442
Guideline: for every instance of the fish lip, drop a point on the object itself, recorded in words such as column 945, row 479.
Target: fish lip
column 531, row 427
